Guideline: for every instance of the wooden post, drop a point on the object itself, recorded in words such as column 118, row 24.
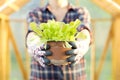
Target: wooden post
column 92, row 70
column 18, row 57
column 4, row 50
column 116, row 48
column 26, row 51
column 0, row 51
column 103, row 56
column 8, row 60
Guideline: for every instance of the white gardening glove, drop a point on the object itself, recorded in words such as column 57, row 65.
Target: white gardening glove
column 37, row 50
column 79, row 48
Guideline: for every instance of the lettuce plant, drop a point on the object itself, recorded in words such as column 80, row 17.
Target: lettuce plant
column 56, row 31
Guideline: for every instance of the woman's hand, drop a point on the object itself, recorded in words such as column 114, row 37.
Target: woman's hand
column 37, row 50
column 40, row 53
column 77, row 52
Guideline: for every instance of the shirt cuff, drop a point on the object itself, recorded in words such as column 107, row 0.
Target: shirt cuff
column 83, row 26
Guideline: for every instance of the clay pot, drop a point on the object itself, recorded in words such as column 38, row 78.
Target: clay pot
column 58, row 49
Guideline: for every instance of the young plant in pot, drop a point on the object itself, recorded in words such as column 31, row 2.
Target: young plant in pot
column 57, row 35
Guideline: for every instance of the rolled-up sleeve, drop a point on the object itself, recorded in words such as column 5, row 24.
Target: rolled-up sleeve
column 84, row 17
column 33, row 16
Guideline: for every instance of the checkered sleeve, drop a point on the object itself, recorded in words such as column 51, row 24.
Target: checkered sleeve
column 83, row 35
column 32, row 39
column 33, row 16
column 84, row 17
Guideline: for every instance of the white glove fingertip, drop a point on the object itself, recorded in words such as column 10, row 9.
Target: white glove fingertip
column 41, row 53
column 41, row 61
column 78, row 57
column 42, row 64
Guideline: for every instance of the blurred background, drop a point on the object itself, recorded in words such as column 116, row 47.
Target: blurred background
column 102, row 64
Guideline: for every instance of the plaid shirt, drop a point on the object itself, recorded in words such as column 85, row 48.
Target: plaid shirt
column 64, row 72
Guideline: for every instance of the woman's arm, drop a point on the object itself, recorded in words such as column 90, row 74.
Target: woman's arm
column 81, row 46
column 34, row 46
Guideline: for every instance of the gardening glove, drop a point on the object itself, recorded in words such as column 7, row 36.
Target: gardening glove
column 78, row 48
column 38, row 50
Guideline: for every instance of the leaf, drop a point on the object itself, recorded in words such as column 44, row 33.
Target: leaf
column 36, row 29
column 56, row 31
column 81, row 35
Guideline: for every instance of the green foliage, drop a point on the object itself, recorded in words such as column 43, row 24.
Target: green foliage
column 56, row 31
column 81, row 35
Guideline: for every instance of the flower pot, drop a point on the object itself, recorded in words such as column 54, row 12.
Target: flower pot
column 58, row 49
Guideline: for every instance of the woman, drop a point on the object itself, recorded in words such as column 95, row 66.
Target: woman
column 59, row 10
